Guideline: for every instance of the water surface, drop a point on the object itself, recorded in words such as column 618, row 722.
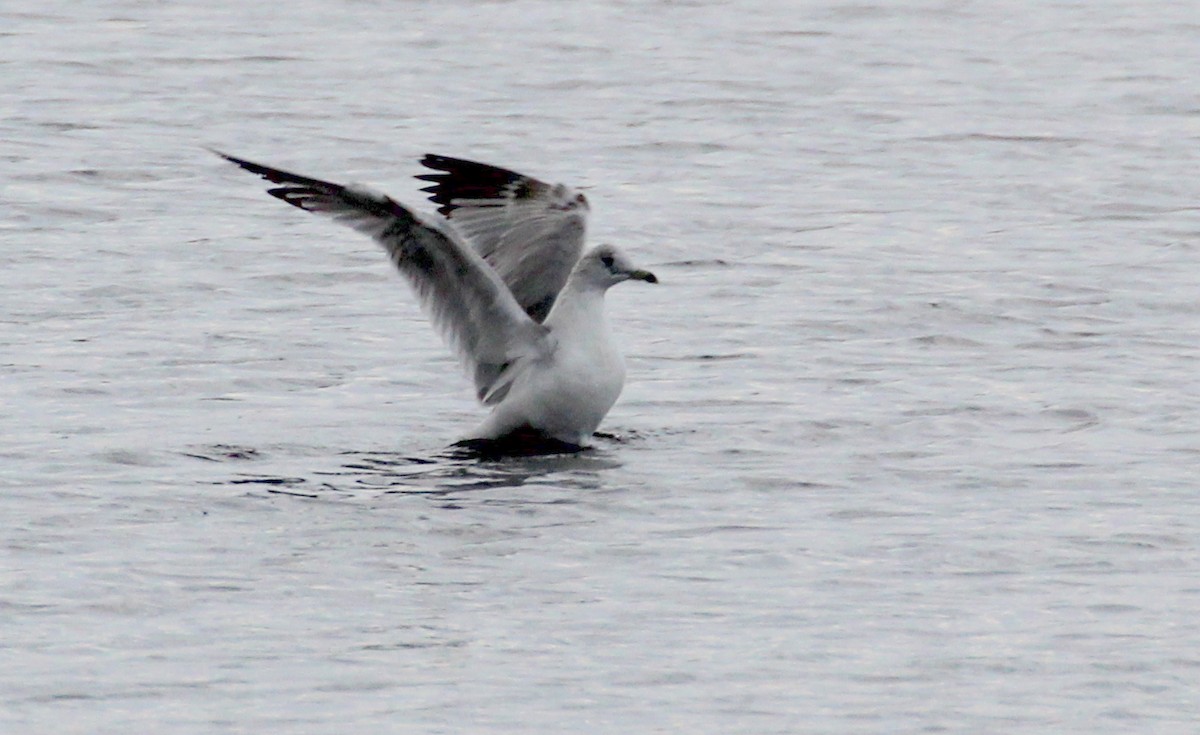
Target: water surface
column 910, row 437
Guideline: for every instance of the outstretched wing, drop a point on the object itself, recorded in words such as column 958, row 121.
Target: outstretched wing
column 529, row 231
column 464, row 297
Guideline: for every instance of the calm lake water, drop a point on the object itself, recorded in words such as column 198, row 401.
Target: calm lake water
column 911, row 435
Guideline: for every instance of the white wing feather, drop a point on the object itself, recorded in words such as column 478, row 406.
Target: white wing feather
column 465, row 298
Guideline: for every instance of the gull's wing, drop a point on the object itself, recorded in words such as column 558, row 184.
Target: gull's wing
column 529, row 231
column 465, row 298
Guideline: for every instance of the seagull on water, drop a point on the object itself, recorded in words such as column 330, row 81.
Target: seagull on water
column 504, row 278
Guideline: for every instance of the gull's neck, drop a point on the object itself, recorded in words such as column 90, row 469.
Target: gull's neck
column 579, row 303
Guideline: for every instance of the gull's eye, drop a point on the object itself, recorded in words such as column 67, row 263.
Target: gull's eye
column 607, row 260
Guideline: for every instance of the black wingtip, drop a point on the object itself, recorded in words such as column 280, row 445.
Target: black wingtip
column 278, row 175
column 434, row 161
column 266, row 172
column 232, row 159
column 458, row 178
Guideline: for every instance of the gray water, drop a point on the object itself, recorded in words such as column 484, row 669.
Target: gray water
column 911, row 433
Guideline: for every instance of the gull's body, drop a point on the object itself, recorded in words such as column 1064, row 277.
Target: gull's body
column 511, row 293
column 569, row 402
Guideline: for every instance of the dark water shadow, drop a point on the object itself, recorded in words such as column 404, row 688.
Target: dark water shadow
column 451, row 471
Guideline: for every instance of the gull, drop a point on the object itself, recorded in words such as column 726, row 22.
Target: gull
column 502, row 275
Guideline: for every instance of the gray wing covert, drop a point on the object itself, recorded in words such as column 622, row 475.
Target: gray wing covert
column 530, row 232
column 465, row 298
